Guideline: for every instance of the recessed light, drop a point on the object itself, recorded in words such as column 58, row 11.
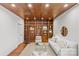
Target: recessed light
column 65, row 5
column 34, row 18
column 50, row 26
column 42, row 18
column 27, row 18
column 50, row 31
column 13, row 5
column 30, row 5
column 49, row 18
column 46, row 5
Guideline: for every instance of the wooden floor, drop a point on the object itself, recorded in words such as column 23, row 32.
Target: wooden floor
column 18, row 50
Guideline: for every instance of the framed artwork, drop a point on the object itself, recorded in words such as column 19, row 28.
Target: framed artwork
column 64, row 31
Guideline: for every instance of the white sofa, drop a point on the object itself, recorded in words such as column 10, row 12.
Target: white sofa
column 63, row 47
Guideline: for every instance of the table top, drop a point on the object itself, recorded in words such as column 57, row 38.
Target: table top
column 40, row 49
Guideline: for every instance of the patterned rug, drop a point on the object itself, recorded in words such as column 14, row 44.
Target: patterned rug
column 31, row 47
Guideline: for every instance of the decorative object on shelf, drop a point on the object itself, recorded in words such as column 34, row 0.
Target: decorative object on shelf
column 50, row 26
column 32, row 31
column 44, row 27
column 31, row 28
column 40, row 27
column 64, row 31
column 37, row 27
column 45, row 34
column 45, row 31
column 50, row 31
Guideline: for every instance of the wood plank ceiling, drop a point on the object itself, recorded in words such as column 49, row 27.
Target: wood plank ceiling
column 38, row 10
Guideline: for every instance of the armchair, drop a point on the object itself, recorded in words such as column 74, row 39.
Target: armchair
column 38, row 39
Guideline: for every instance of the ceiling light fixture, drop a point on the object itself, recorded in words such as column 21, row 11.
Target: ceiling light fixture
column 27, row 18
column 30, row 5
column 34, row 18
column 13, row 5
column 46, row 5
column 65, row 5
column 49, row 18
column 42, row 18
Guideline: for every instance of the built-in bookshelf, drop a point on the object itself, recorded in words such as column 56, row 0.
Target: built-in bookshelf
column 37, row 27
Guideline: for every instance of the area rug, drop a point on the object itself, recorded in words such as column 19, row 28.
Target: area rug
column 30, row 48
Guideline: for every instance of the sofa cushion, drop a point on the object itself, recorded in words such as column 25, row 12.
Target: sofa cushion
column 62, row 46
column 62, row 43
column 68, row 52
column 71, row 44
column 55, row 38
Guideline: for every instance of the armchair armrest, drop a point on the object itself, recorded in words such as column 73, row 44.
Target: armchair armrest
column 68, row 52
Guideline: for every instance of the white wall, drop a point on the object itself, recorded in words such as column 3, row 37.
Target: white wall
column 70, row 19
column 11, row 31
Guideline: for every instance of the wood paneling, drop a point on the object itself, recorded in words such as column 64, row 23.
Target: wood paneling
column 38, row 10
column 34, row 28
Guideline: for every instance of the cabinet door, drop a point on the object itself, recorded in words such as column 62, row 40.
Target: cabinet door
column 32, row 34
column 45, row 38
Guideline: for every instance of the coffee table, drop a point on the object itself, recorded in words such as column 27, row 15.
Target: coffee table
column 40, row 50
